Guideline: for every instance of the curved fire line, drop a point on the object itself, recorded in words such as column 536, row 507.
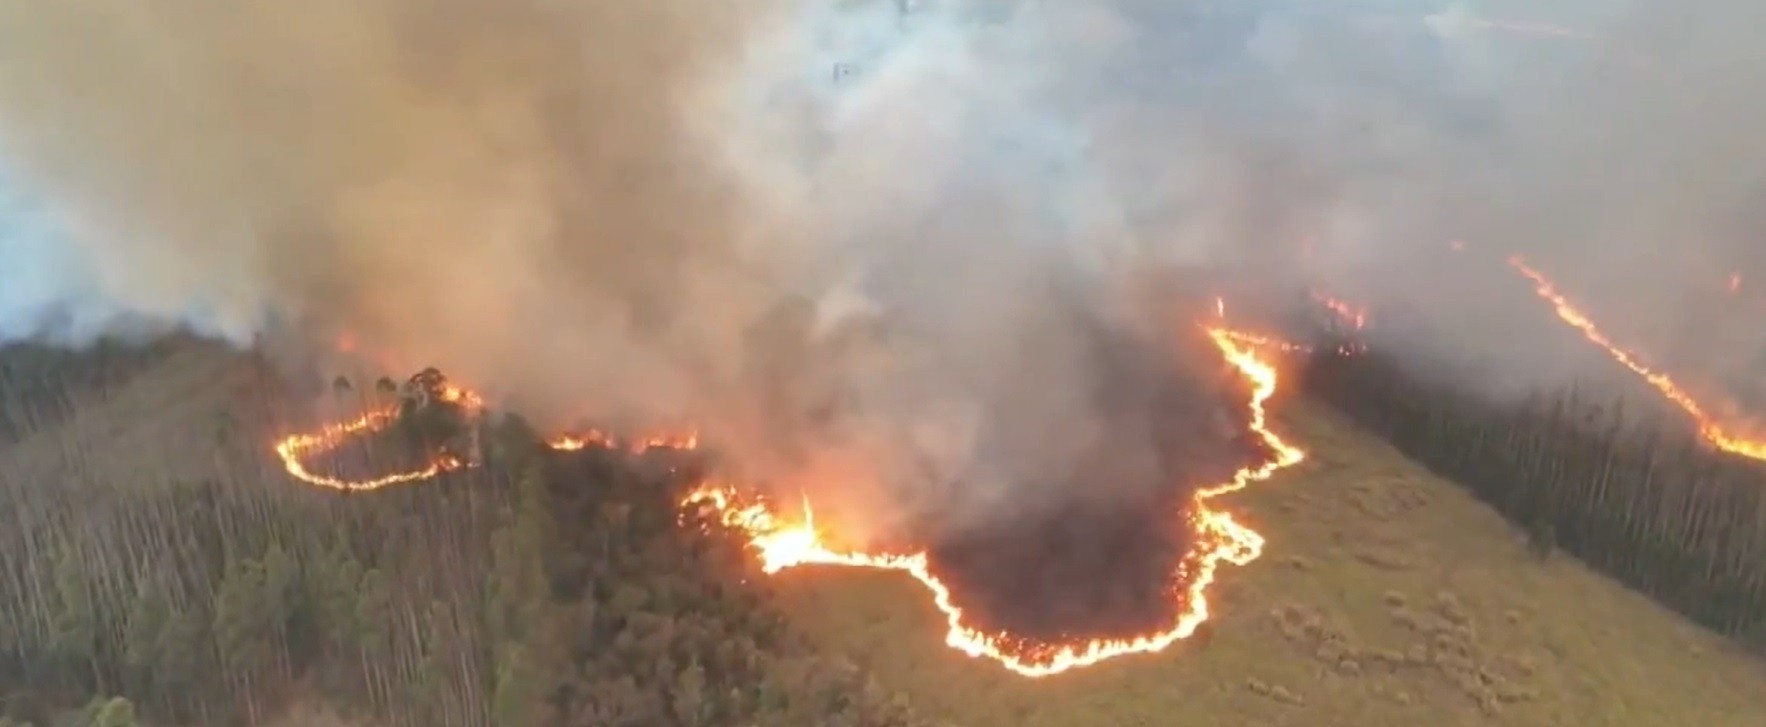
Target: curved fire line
column 781, row 543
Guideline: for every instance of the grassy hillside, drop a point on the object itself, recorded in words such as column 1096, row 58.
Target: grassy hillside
column 1385, row 597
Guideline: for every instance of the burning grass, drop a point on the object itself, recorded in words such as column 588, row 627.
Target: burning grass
column 1386, row 597
column 1179, row 592
column 1114, row 557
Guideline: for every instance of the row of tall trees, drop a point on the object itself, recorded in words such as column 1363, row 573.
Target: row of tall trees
column 541, row 588
column 1633, row 494
column 224, row 600
column 40, row 385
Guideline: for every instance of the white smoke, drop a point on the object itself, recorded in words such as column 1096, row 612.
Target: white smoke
column 737, row 213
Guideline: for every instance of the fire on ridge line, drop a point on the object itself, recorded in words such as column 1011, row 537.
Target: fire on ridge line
column 781, row 542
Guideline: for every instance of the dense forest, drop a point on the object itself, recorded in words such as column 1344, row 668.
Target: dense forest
column 40, row 384
column 1633, row 493
column 540, row 588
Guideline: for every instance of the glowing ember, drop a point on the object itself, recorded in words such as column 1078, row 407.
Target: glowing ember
column 1265, row 341
column 782, row 543
column 1708, row 427
column 1354, row 317
column 1349, row 316
column 461, row 397
column 637, row 445
column 1257, row 339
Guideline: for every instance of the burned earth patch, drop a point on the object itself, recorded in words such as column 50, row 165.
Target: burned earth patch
column 1099, row 553
column 1088, row 570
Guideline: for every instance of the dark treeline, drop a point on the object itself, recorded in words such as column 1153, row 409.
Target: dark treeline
column 1634, row 494
column 542, row 588
column 41, row 385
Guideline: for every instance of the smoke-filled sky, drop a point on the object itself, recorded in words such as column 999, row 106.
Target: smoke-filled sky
column 726, row 211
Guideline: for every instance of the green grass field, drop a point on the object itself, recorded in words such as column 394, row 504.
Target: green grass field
column 1384, row 597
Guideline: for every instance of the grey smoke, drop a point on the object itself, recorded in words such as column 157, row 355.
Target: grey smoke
column 736, row 213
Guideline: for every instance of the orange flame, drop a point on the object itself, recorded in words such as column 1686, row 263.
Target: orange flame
column 1285, row 346
column 783, row 544
column 1734, row 283
column 1708, row 427
column 1257, row 339
column 574, row 442
column 1355, row 317
column 295, row 448
column 637, row 445
column 457, row 395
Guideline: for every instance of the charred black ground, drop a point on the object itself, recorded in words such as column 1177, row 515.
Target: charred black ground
column 1100, row 559
column 1088, row 541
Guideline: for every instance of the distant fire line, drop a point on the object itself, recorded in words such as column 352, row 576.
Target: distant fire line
column 1708, row 427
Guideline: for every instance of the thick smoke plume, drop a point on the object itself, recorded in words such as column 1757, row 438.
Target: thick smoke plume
column 865, row 241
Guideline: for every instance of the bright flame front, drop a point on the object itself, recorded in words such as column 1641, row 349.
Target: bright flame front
column 782, row 543
column 1711, row 430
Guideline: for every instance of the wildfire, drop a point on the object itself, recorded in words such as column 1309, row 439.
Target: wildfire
column 295, row 449
column 1355, row 317
column 457, row 395
column 1262, row 340
column 637, row 445
column 1257, row 339
column 783, row 543
column 1708, row 427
